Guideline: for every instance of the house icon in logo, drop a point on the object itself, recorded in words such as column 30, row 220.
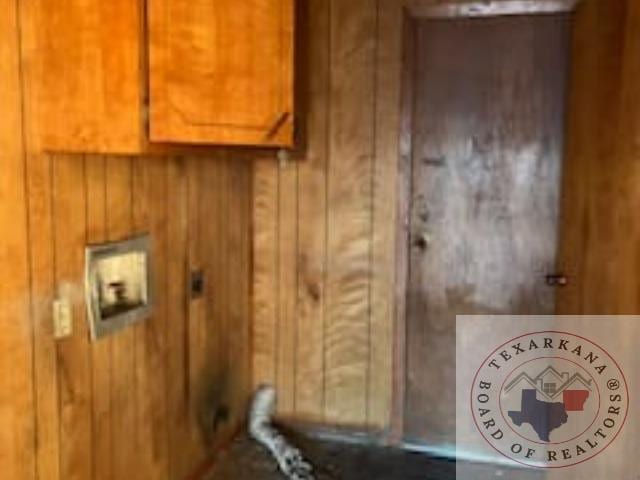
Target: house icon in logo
column 540, row 406
column 549, row 382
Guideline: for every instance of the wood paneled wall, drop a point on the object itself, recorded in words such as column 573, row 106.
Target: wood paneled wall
column 600, row 246
column 154, row 400
column 324, row 224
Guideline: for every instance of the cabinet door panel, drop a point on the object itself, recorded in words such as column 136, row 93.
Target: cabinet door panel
column 82, row 63
column 221, row 71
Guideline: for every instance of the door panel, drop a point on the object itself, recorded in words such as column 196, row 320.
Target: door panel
column 221, row 71
column 488, row 122
column 83, row 75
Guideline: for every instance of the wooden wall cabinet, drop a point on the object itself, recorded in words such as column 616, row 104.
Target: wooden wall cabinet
column 221, row 69
column 121, row 76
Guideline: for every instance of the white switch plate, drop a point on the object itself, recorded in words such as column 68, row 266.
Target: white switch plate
column 62, row 319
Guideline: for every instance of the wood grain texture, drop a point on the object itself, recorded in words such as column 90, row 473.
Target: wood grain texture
column 239, row 213
column 589, row 252
column 403, row 224
column 41, row 224
column 215, row 391
column 599, row 40
column 102, row 407
column 118, row 198
column 101, row 352
column 82, row 62
column 151, row 415
column 312, row 212
column 265, row 271
column 156, row 329
column 485, row 191
column 351, row 145
column 328, row 282
column 73, row 356
column 176, row 310
column 385, row 187
column 288, row 287
column 197, row 332
column 221, row 72
column 17, row 407
column 101, row 410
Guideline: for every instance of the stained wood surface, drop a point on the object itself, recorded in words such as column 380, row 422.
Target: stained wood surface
column 314, row 232
column 221, row 72
column 601, row 200
column 600, row 197
column 17, row 403
column 101, row 353
column 349, row 199
column 314, row 67
column 158, row 399
column 116, row 394
column 83, row 64
column 488, row 128
column 265, row 268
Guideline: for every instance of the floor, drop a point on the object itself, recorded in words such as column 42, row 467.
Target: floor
column 339, row 461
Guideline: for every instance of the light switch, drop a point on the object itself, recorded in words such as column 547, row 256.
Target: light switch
column 62, row 318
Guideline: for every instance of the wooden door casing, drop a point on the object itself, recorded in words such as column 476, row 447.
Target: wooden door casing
column 488, row 125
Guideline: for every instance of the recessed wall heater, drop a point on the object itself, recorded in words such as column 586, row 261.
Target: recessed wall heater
column 117, row 285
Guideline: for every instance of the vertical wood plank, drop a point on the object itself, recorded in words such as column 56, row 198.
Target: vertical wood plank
column 156, row 334
column 312, row 218
column 238, row 248
column 388, row 89
column 265, row 270
column 601, row 250
column 222, row 290
column 148, row 183
column 40, row 240
column 287, row 287
column 101, row 351
column 628, row 229
column 245, row 312
column 594, row 101
column 17, row 455
column 218, row 407
column 123, row 379
column 402, row 226
column 212, row 228
column 176, row 311
column 74, row 360
column 350, row 204
column 144, row 379
column 196, row 326
column 201, row 360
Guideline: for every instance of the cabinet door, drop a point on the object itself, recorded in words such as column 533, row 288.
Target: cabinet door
column 221, row 71
column 82, row 63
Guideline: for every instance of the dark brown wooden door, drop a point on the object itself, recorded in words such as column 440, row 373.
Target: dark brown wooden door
column 487, row 129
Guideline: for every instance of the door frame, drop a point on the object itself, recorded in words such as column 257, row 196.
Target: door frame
column 396, row 31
